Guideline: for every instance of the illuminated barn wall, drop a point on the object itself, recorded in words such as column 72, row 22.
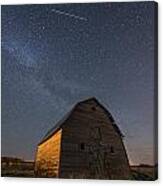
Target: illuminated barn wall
column 48, row 156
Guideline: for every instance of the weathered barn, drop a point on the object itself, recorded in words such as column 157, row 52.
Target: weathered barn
column 85, row 144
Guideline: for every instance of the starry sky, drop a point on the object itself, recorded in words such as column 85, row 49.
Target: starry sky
column 56, row 55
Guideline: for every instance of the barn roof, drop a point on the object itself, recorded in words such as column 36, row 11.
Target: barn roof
column 62, row 121
column 56, row 127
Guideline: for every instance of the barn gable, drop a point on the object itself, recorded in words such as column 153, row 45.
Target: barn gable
column 94, row 101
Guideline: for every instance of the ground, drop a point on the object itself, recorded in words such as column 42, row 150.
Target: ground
column 141, row 172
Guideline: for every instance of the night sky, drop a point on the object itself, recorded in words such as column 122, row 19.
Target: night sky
column 56, row 55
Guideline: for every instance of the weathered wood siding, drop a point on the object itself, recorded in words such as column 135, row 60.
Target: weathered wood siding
column 48, row 156
column 91, row 148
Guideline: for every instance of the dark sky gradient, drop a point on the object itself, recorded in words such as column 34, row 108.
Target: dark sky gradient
column 55, row 55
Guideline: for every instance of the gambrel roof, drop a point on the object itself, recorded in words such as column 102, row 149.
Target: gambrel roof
column 64, row 119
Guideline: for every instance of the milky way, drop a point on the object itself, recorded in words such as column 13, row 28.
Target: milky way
column 55, row 55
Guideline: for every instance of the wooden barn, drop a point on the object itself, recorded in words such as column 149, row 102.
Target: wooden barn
column 86, row 143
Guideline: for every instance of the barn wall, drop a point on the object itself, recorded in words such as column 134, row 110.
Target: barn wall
column 108, row 160
column 48, row 156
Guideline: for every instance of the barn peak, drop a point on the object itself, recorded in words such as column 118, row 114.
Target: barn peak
column 89, row 99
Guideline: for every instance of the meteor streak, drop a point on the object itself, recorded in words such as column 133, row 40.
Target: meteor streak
column 68, row 14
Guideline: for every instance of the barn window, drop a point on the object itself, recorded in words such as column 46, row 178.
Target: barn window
column 93, row 108
column 82, row 146
column 111, row 149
